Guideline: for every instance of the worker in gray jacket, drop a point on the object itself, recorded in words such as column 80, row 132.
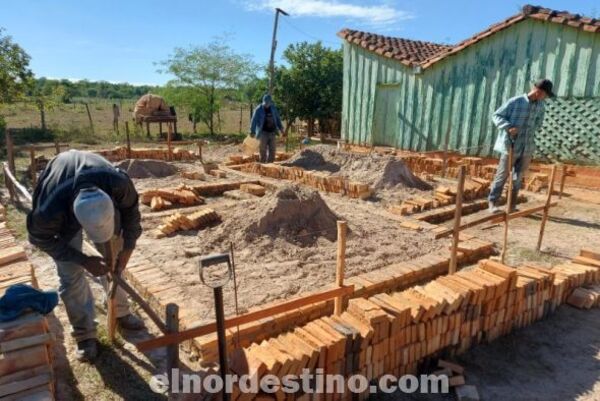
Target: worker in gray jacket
column 83, row 191
column 265, row 125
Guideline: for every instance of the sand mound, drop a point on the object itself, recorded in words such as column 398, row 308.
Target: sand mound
column 137, row 168
column 297, row 214
column 380, row 171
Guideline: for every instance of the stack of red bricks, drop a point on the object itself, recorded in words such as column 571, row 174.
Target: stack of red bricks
column 25, row 343
column 235, row 160
column 390, row 278
column 192, row 221
column 120, row 153
column 393, row 333
column 315, row 179
column 183, row 195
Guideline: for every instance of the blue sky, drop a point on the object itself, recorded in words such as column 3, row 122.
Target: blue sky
column 120, row 41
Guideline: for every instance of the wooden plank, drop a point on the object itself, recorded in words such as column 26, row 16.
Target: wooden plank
column 457, row 216
column 245, row 318
column 546, row 208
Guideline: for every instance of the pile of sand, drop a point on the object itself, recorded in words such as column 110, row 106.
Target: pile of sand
column 137, row 168
column 297, row 214
column 380, row 171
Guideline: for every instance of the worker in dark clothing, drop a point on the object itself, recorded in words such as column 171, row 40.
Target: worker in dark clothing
column 81, row 191
column 265, row 125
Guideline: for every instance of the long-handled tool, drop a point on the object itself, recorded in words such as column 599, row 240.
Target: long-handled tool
column 216, row 278
column 509, row 200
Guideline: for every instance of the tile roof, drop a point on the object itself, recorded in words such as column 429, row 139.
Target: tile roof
column 418, row 53
column 408, row 52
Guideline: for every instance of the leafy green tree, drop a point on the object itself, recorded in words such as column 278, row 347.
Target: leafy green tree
column 46, row 98
column 14, row 69
column 207, row 71
column 310, row 88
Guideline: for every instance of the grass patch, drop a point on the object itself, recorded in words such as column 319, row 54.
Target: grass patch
column 16, row 220
column 519, row 255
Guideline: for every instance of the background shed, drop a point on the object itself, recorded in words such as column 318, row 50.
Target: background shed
column 417, row 95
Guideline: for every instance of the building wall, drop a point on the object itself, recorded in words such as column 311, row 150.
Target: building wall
column 457, row 95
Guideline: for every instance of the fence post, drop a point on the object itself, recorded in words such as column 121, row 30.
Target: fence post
column 128, row 140
column 547, row 207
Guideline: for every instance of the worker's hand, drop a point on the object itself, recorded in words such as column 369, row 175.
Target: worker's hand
column 96, row 266
column 123, row 259
column 513, row 131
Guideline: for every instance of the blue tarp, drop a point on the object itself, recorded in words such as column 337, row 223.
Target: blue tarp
column 20, row 298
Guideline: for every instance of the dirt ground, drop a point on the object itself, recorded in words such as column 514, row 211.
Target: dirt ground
column 555, row 359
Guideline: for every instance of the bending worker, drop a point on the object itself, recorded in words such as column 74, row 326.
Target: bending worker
column 518, row 119
column 81, row 190
column 265, row 125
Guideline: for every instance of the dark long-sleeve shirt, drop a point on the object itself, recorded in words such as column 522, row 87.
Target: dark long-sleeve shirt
column 51, row 224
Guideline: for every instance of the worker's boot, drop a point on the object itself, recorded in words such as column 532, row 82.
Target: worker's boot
column 492, row 207
column 87, row 350
column 130, row 322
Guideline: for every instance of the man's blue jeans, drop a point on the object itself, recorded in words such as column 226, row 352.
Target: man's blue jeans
column 521, row 164
column 77, row 296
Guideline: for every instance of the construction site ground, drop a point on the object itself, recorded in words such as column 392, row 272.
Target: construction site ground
column 555, row 359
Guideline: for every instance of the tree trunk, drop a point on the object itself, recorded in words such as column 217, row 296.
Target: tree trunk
column 310, row 129
column 211, row 105
column 241, row 116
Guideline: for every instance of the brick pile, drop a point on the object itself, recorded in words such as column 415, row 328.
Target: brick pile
column 120, row 153
column 444, row 195
column 183, row 222
column 393, row 333
column 318, row 180
column 183, row 195
column 25, row 343
column 235, row 160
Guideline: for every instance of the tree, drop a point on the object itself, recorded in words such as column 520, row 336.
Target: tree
column 46, row 98
column 14, row 69
column 205, row 71
column 311, row 87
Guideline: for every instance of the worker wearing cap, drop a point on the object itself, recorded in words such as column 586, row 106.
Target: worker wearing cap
column 518, row 119
column 265, row 125
column 83, row 191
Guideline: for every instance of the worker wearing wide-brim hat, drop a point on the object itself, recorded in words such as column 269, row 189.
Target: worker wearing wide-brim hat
column 81, row 191
column 518, row 119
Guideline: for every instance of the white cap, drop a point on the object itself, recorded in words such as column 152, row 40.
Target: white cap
column 95, row 212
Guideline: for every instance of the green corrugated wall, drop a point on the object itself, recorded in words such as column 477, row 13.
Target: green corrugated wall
column 463, row 91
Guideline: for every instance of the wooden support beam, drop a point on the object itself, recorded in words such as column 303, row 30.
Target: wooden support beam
column 32, row 167
column 10, row 150
column 16, row 184
column 547, row 207
column 169, row 135
column 342, row 227
column 245, row 318
column 470, row 224
column 563, row 177
column 457, row 215
column 509, row 200
column 128, row 139
column 172, row 323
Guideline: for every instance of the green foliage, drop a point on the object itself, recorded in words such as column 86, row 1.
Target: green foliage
column 85, row 89
column 203, row 74
column 14, row 69
column 311, row 87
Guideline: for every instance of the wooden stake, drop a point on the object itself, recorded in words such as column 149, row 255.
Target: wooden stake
column 446, row 141
column 342, row 227
column 172, row 323
column 128, row 140
column 457, row 216
column 56, row 146
column 547, row 207
column 10, row 151
column 508, row 201
column 200, row 151
column 169, row 150
column 563, row 177
column 33, row 166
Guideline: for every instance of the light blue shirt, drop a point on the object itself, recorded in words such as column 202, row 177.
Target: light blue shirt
column 527, row 116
